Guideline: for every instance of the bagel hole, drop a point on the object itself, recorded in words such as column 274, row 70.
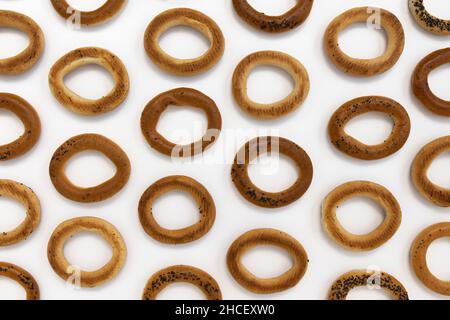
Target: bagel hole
column 371, row 128
column 12, row 214
column 10, row 127
column 175, row 210
column 267, row 262
column 363, row 41
column 365, row 293
column 181, row 291
column 87, row 251
column 438, row 81
column 272, row 8
column 438, row 171
column 14, row 42
column 182, row 125
column 89, row 169
column 184, row 42
column 273, row 172
column 11, row 290
column 86, row 5
column 438, row 265
column 269, row 84
column 90, row 81
column 360, row 215
column 438, row 8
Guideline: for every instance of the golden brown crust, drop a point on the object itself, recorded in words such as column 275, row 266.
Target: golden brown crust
column 22, row 277
column 66, row 230
column 190, row 18
column 419, row 172
column 418, row 256
column 374, row 239
column 356, row 107
column 31, row 122
column 365, row 67
column 82, row 143
column 28, row 57
column 83, row 56
column 180, row 97
column 28, row 199
column 360, row 278
column 421, row 87
column 274, row 24
column 187, row 274
column 280, row 60
column 426, row 20
column 263, row 237
column 205, row 203
column 87, row 18
column 259, row 146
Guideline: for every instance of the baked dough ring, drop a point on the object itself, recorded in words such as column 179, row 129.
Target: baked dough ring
column 187, row 274
column 66, row 230
column 82, row 143
column 426, row 20
column 360, row 278
column 365, row 67
column 28, row 57
column 190, row 18
column 356, row 107
column 438, row 195
column 374, row 239
column 259, row 146
column 205, row 203
column 280, row 60
column 421, row 87
column 418, row 256
column 81, row 57
column 180, row 97
column 87, row 18
column 264, row 237
column 30, row 119
column 274, row 24
column 22, row 277
column 28, row 199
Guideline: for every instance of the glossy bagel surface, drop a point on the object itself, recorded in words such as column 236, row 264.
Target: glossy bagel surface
column 274, row 24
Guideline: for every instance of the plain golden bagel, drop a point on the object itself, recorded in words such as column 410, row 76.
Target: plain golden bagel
column 87, row 18
column 360, row 278
column 28, row 199
column 277, row 59
column 189, row 18
column 421, row 87
column 374, row 239
column 89, row 142
column 22, row 277
column 32, row 53
column 84, row 56
column 31, row 122
column 185, row 274
column 266, row 237
column 418, row 256
column 274, row 24
column 205, row 204
column 438, row 195
column 180, row 97
column 426, row 20
column 86, row 279
column 259, row 146
column 365, row 67
column 356, row 107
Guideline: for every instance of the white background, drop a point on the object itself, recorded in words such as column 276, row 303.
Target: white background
column 307, row 127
